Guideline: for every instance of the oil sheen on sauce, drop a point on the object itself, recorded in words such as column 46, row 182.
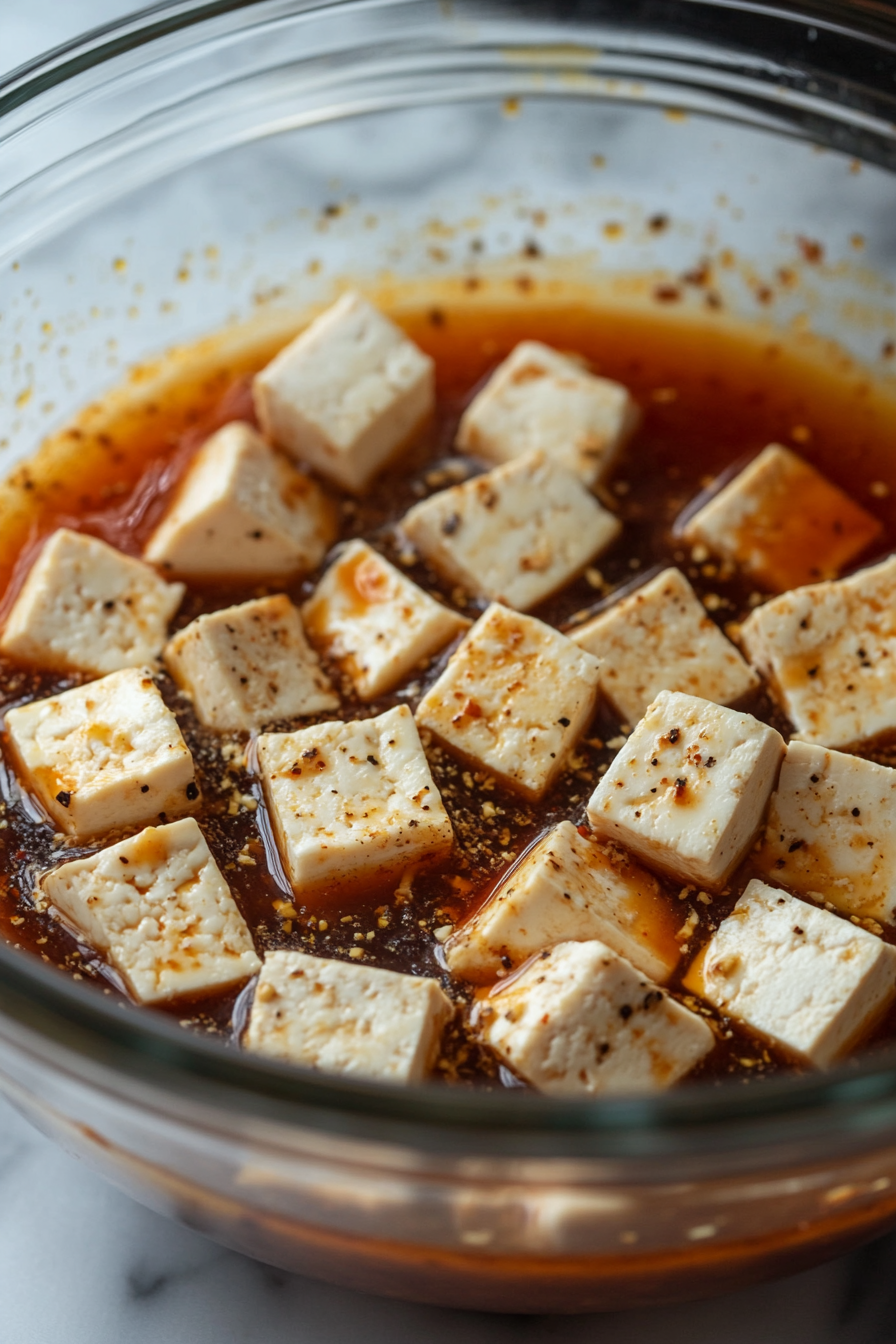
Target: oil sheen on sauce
column 711, row 395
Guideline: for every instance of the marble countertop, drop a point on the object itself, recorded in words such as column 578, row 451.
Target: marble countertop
column 83, row 1264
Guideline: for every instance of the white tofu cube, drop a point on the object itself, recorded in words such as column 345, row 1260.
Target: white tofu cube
column 157, row 908
column 580, row 1021
column 374, row 622
column 540, row 400
column 347, row 394
column 242, row 511
column 342, row 1017
column 687, row 793
column 249, row 665
column 568, row 888
column 782, row 522
column 514, row 698
column 802, row 977
column 105, row 756
column 829, row 653
column 352, row 803
column 831, row 831
column 86, row 607
column 661, row 639
column 514, row 535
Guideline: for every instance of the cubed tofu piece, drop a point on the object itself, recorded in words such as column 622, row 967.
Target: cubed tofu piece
column 568, row 888
column 829, row 653
column 105, row 756
column 688, row 791
column 158, row 910
column 347, row 394
column 514, row 535
column 342, row 1017
column 783, row 523
column 352, row 803
column 579, row 1020
column 661, row 639
column 540, row 400
column 374, row 622
column 86, row 607
column 249, row 665
column 242, row 511
column 802, row 977
column 831, row 831
column 513, row 699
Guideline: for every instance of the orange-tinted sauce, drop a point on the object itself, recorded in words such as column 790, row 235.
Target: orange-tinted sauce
column 711, row 396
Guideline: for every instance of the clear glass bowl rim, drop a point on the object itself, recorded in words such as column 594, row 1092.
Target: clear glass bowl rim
column 40, row 1002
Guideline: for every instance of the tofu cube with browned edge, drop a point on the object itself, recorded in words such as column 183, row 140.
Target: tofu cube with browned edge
column 688, row 791
column 803, row 978
column 105, row 756
column 515, row 535
column 569, row 888
column 831, row 832
column 344, row 1017
column 353, row 803
column 242, row 511
column 374, row 622
column 249, row 665
column 540, row 400
column 86, row 607
column 158, row 910
column 347, row 394
column 829, row 653
column 660, row 638
column 782, row 523
column 579, row 1020
column 513, row 699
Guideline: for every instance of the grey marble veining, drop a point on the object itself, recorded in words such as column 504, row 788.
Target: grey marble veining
column 81, row 1263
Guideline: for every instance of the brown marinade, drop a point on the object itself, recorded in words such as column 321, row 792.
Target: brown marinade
column 710, row 395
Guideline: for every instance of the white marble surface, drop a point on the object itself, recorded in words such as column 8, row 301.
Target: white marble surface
column 83, row 1264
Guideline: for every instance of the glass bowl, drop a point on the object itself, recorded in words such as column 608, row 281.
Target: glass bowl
column 226, row 166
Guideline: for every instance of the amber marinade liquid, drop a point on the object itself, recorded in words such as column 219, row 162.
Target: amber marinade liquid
column 711, row 394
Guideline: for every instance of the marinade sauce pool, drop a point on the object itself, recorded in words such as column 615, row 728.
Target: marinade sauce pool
column 711, row 396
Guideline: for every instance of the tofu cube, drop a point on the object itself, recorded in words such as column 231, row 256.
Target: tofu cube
column 157, row 908
column 513, row 699
column 661, row 639
column 568, row 888
column 374, row 622
column 342, row 1017
column 831, row 831
column 688, row 791
column 249, row 665
column 352, row 803
column 541, row 401
column 581, row 1021
column 105, row 756
column 347, row 394
column 242, row 511
column 85, row 607
column 802, row 977
column 783, row 523
column 514, row 535
column 829, row 653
